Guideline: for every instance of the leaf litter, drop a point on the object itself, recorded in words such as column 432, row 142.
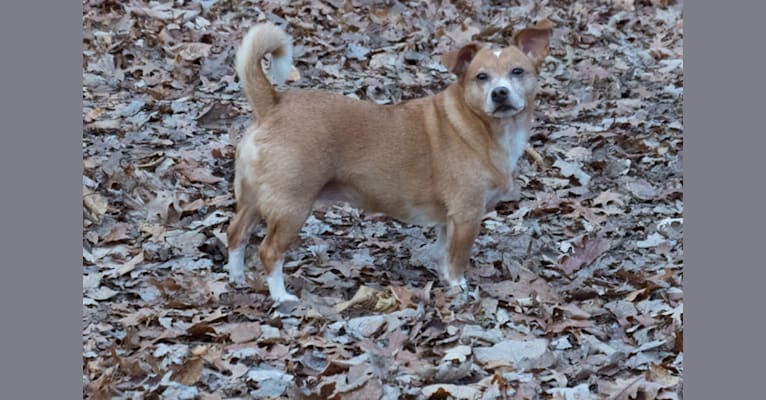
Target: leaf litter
column 578, row 283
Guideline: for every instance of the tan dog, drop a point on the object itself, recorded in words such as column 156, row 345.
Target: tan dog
column 442, row 160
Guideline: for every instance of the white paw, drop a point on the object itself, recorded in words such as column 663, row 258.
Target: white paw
column 236, row 275
column 443, row 271
column 236, row 266
column 276, row 284
column 237, row 279
column 285, row 298
column 459, row 283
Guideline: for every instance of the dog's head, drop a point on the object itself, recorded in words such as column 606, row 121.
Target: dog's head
column 501, row 83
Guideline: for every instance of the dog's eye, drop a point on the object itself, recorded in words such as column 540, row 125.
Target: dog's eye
column 517, row 71
column 482, row 76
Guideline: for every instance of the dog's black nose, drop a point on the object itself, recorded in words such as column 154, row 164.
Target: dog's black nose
column 500, row 94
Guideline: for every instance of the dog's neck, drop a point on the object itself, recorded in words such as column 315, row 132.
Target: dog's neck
column 514, row 136
column 501, row 140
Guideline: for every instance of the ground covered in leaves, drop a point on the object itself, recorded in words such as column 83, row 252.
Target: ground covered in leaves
column 576, row 288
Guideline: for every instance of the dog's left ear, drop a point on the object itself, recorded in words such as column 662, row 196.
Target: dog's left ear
column 534, row 40
column 457, row 61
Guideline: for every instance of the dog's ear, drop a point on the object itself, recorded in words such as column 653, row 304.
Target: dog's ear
column 534, row 40
column 457, row 61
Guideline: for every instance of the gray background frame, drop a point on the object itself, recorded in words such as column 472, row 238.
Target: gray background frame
column 724, row 192
column 41, row 167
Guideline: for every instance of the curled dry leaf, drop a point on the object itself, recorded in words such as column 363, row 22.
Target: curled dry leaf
column 96, row 204
column 190, row 372
column 191, row 51
column 373, row 299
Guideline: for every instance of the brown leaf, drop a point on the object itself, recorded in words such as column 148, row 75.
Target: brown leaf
column 241, row 332
column 627, row 389
column 101, row 388
column 370, row 298
column 156, row 231
column 118, row 233
column 403, row 295
column 591, row 249
column 200, row 329
column 130, row 367
column 95, row 203
column 525, row 287
column 569, row 324
column 216, row 115
column 194, row 205
column 462, row 34
column 129, row 265
column 192, row 51
column 196, row 173
column 190, row 372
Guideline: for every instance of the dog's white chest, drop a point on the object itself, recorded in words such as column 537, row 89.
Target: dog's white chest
column 514, row 143
column 512, row 146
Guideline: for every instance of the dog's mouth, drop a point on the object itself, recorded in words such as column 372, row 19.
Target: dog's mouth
column 506, row 110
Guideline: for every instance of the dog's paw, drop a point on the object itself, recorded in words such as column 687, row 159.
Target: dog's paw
column 461, row 283
column 461, row 294
column 285, row 297
column 237, row 280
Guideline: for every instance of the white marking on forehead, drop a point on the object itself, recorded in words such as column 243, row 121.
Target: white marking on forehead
column 497, row 53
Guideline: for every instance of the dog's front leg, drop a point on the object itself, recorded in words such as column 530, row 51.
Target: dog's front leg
column 461, row 233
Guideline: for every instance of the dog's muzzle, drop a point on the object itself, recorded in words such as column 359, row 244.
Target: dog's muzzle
column 501, row 99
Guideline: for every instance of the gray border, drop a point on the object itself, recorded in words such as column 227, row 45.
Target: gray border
column 41, row 303
column 41, row 167
column 723, row 188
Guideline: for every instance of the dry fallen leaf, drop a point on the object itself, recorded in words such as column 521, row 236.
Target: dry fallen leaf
column 519, row 354
column 376, row 300
column 190, row 372
column 587, row 253
column 626, row 389
column 241, row 332
column 96, row 204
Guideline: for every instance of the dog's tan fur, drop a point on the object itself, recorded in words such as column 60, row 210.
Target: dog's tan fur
column 442, row 160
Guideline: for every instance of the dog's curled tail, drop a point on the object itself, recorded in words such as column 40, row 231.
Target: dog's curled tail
column 263, row 39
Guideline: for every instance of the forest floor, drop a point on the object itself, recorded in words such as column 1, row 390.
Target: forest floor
column 576, row 289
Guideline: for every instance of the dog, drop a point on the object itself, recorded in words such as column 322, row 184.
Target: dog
column 442, row 160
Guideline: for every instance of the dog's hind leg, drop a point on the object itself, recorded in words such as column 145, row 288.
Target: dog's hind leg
column 281, row 231
column 238, row 235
